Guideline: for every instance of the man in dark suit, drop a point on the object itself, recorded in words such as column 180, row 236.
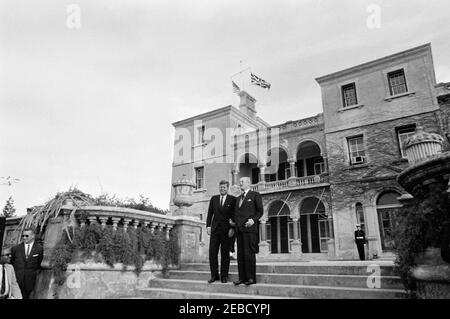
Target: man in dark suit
column 249, row 209
column 220, row 211
column 26, row 259
column 360, row 240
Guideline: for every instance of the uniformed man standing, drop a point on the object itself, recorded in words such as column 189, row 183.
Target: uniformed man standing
column 360, row 240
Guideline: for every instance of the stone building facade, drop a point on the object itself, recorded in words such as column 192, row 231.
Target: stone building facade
column 320, row 176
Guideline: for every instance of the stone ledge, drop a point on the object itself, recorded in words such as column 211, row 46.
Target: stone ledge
column 392, row 97
column 343, row 109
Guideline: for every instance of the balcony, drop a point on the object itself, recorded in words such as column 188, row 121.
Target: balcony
column 291, row 183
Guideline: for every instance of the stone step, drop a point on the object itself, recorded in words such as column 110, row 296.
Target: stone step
column 388, row 282
column 304, row 268
column 164, row 293
column 278, row 290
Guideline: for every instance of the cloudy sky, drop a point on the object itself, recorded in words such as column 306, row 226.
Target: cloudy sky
column 92, row 107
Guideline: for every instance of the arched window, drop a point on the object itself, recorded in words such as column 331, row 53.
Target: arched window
column 360, row 216
column 387, row 206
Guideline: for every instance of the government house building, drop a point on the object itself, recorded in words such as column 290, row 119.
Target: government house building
column 333, row 170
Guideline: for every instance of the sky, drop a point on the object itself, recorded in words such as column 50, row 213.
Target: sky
column 89, row 103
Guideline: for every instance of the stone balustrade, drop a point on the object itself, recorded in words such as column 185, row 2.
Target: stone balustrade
column 290, row 183
column 123, row 217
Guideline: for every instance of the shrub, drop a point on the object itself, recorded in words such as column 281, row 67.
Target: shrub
column 131, row 248
column 417, row 227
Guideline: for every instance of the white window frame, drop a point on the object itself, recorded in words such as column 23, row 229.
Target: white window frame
column 344, row 100
column 197, row 179
column 360, row 153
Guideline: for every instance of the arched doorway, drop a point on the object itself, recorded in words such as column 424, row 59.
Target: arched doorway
column 277, row 165
column 315, row 226
column 387, row 205
column 278, row 227
column 248, row 166
column 309, row 161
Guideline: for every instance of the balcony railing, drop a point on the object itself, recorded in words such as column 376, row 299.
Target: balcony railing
column 290, row 183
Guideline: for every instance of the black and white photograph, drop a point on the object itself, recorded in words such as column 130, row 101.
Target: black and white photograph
column 256, row 152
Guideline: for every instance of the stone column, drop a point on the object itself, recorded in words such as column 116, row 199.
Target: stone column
column 135, row 224
column 296, row 246
column 262, row 170
column 291, row 179
column 264, row 250
column 235, row 176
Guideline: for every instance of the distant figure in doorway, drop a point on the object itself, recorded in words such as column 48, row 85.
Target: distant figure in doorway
column 26, row 259
column 360, row 240
column 220, row 211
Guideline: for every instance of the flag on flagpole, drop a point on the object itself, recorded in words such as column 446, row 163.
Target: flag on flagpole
column 260, row 82
column 236, row 88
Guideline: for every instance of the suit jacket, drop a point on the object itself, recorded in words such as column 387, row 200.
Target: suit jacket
column 218, row 217
column 14, row 289
column 27, row 269
column 358, row 234
column 252, row 207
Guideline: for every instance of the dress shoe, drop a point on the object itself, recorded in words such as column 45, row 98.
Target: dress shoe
column 212, row 280
column 250, row 282
column 224, row 280
column 238, row 282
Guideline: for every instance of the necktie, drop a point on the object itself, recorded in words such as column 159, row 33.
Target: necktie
column 28, row 251
column 241, row 200
column 2, row 290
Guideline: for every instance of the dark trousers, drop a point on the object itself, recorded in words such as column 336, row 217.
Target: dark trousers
column 232, row 241
column 219, row 239
column 246, row 258
column 360, row 247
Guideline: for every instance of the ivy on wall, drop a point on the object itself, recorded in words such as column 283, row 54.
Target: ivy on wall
column 106, row 245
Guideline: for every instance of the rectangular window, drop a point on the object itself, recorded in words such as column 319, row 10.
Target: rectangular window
column 356, row 150
column 397, row 82
column 199, row 178
column 349, row 95
column 402, row 135
column 201, row 134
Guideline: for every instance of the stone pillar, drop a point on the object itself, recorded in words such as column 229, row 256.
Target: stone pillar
column 292, row 178
column 188, row 233
column 235, row 176
column 263, row 245
column 262, row 170
column 135, row 224
column 296, row 246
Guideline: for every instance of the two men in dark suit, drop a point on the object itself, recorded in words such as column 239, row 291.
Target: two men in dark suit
column 249, row 209
column 220, row 211
column 360, row 240
column 26, row 259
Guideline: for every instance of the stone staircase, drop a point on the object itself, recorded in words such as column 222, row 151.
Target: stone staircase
column 311, row 280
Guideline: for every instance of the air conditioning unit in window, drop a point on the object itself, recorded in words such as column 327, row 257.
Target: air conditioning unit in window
column 358, row 159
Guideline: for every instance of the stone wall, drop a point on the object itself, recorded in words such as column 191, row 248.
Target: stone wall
column 95, row 281
column 363, row 183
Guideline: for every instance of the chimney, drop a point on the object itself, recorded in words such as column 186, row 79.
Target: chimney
column 247, row 105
